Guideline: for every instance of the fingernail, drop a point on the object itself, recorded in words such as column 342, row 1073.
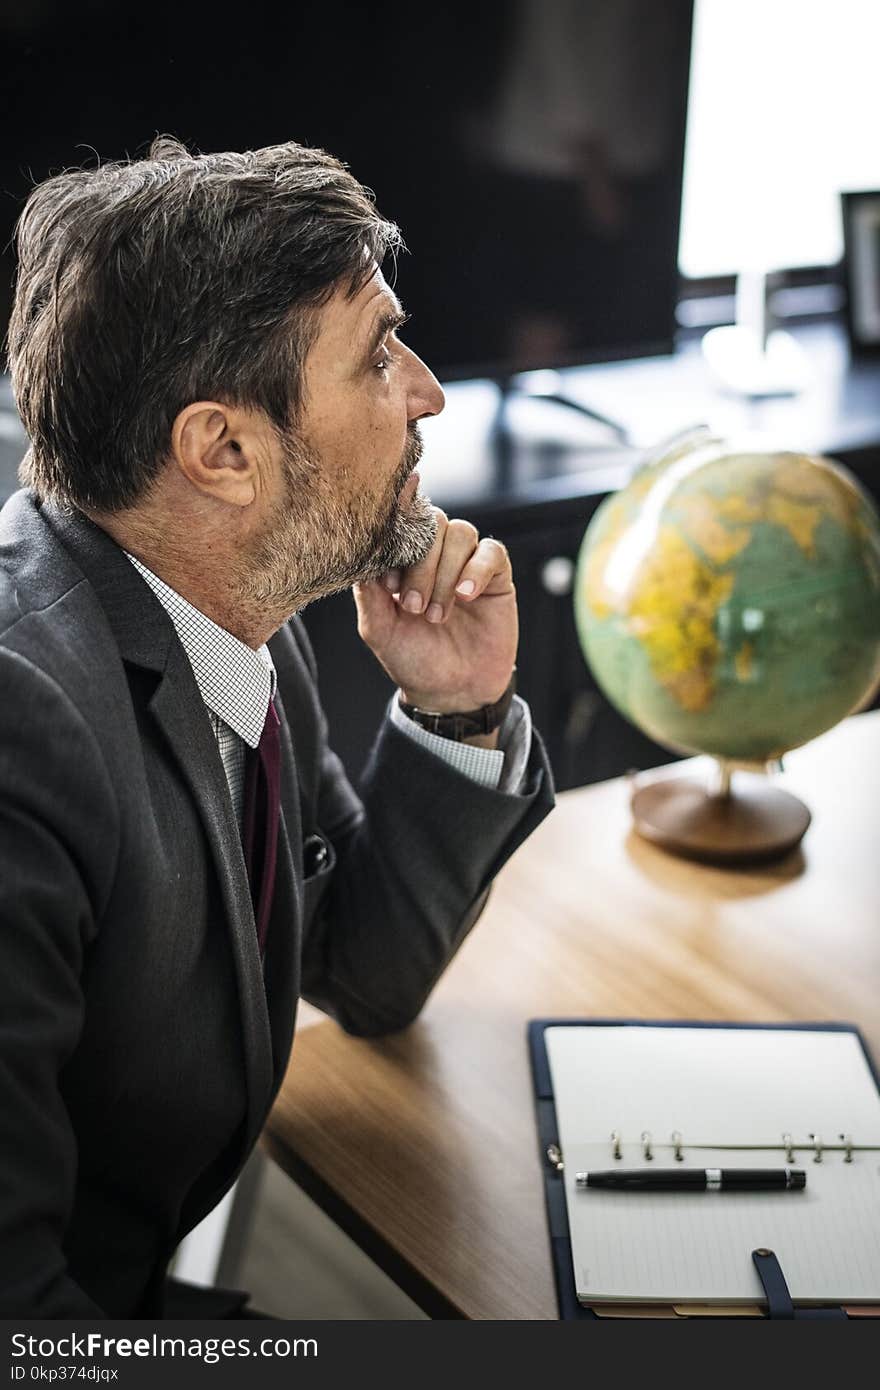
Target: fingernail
column 392, row 581
column 413, row 602
column 466, row 586
column 434, row 613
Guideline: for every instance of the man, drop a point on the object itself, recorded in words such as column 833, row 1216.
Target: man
column 223, row 423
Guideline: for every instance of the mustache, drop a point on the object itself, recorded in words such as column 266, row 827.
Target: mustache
column 412, row 452
column 413, row 449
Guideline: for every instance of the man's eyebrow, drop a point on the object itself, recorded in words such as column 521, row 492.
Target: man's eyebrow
column 386, row 323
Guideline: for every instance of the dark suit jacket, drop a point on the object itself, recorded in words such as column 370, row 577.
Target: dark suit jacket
column 141, row 1043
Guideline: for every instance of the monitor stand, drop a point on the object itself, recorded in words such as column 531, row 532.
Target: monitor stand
column 752, row 357
column 502, row 436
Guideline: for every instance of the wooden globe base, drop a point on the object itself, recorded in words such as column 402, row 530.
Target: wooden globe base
column 752, row 823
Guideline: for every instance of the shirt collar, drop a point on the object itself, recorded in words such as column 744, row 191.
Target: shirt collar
column 234, row 681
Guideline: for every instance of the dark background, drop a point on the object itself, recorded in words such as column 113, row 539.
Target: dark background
column 513, row 264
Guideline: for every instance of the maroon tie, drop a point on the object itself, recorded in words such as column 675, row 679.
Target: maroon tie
column 262, row 808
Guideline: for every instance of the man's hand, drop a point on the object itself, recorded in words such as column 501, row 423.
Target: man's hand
column 445, row 630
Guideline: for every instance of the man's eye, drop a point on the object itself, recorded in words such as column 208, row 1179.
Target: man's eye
column 384, row 362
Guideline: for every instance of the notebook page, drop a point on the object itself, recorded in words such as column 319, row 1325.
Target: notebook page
column 696, row 1247
column 730, row 1086
column 714, row 1085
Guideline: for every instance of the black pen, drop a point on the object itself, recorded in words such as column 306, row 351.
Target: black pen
column 697, row 1179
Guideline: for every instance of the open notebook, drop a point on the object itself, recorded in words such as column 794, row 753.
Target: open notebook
column 726, row 1096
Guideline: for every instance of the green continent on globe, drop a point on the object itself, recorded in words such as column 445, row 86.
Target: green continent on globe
column 729, row 603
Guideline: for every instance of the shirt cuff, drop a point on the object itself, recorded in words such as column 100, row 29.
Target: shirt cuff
column 501, row 769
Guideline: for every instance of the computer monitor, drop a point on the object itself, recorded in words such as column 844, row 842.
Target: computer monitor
column 531, row 150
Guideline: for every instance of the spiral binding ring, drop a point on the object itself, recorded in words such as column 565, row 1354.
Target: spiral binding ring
column 847, row 1142
column 646, row 1140
column 616, row 1151
column 789, row 1148
column 677, row 1142
column 817, row 1145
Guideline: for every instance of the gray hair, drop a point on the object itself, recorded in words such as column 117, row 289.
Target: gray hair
column 145, row 285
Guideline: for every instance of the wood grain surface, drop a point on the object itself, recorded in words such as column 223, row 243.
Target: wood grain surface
column 423, row 1144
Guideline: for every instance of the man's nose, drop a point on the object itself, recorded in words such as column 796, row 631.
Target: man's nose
column 426, row 395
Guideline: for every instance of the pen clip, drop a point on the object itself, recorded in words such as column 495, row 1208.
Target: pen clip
column 554, row 1157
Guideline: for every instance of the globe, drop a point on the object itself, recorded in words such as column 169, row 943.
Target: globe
column 727, row 600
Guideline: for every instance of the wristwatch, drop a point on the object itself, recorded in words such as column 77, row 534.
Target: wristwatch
column 463, row 724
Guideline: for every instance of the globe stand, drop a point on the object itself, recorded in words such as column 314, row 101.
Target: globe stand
column 751, row 824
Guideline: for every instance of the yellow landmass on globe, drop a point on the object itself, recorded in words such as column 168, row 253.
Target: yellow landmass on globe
column 825, row 487
column 702, row 520
column 799, row 519
column 796, row 500
column 744, row 662
column 738, row 508
column 672, row 612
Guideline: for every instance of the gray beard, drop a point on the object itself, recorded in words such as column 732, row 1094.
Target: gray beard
column 404, row 540
column 320, row 549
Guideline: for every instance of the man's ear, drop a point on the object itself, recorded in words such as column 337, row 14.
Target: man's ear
column 217, row 449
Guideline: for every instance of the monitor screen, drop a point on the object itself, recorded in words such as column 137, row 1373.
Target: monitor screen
column 530, row 150
column 807, row 133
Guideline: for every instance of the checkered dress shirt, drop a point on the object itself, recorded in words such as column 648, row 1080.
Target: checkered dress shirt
column 237, row 683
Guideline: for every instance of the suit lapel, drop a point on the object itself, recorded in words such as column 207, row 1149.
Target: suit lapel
column 146, row 637
column 285, row 925
column 185, row 725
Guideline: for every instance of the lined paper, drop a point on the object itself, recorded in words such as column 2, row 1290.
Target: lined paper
column 726, row 1086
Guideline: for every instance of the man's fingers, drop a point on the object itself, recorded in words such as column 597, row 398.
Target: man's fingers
column 459, row 545
column 459, row 564
column 417, row 583
column 488, row 569
column 460, row 540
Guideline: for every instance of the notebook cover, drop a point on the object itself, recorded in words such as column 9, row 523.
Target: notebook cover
column 545, row 1112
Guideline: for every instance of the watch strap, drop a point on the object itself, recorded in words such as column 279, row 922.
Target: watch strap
column 461, row 724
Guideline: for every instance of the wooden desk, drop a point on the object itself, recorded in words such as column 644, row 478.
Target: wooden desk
column 423, row 1145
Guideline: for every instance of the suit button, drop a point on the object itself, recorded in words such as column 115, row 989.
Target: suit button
column 315, row 855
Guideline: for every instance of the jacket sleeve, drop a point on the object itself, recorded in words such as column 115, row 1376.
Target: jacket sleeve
column 416, row 854
column 55, row 812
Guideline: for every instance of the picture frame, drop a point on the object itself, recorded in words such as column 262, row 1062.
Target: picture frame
column 861, row 266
